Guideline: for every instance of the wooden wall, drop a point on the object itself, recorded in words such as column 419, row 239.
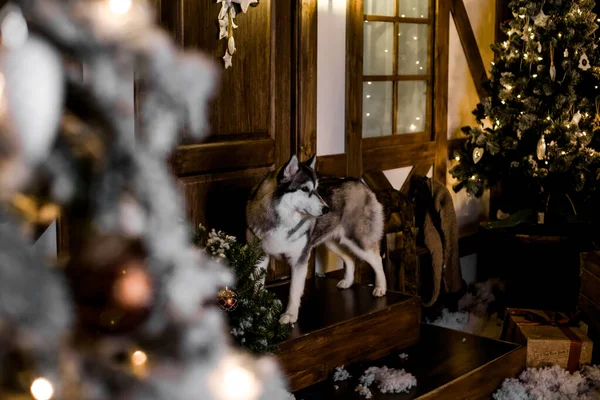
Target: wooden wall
column 265, row 109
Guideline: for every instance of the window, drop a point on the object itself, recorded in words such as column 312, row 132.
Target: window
column 397, row 67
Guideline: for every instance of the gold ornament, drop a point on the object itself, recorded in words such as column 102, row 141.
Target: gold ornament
column 541, row 148
column 227, row 299
column 477, row 154
column 584, row 63
column 552, row 67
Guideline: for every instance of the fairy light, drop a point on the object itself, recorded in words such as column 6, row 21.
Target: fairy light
column 457, row 158
column 521, row 16
column 418, row 118
column 531, row 36
column 505, row 44
column 139, row 358
column 41, row 389
column 518, row 96
column 567, row 125
column 529, row 29
column 368, row 96
column 563, row 152
column 587, row 115
column 534, row 75
column 548, row 118
column 583, row 133
column 559, row 34
column 412, row 127
column 497, row 122
column 525, row 56
column 119, row 6
column 368, row 114
column 369, row 83
column 473, row 177
column 414, row 37
column 386, row 50
column 508, row 87
column 493, row 63
column 503, row 102
column 540, row 58
column 403, row 16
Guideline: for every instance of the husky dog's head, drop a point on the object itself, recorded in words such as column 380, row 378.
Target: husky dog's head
column 297, row 188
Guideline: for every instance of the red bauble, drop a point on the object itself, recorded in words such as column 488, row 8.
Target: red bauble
column 112, row 288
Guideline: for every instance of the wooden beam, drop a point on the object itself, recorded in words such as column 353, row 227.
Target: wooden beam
column 332, row 165
column 306, row 80
column 377, row 181
column 469, row 44
column 440, row 88
column 384, row 158
column 417, row 170
column 354, row 70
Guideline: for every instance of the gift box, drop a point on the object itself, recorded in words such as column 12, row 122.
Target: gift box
column 551, row 338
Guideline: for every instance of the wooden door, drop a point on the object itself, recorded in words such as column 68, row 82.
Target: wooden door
column 264, row 111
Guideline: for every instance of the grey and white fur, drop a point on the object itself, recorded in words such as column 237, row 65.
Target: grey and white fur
column 291, row 211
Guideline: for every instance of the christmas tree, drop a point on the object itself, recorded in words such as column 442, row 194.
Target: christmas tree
column 129, row 314
column 537, row 133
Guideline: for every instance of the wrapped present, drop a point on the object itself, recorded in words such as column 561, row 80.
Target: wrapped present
column 551, row 338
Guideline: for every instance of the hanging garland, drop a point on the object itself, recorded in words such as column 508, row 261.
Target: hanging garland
column 227, row 24
column 253, row 311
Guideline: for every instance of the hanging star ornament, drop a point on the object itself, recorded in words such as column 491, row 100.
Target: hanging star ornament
column 227, row 25
column 541, row 19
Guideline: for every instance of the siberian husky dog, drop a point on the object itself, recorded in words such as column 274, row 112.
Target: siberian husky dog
column 292, row 212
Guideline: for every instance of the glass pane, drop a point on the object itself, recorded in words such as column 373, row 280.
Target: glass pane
column 377, row 109
column 412, row 106
column 378, row 48
column 380, row 7
column 412, row 49
column 414, row 8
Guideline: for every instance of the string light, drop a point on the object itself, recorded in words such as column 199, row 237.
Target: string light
column 505, row 44
column 418, row 118
column 534, row 75
column 503, row 102
column 412, row 127
column 41, row 389
column 139, row 358
column 386, row 50
column 457, row 158
column 369, row 83
column 583, row 133
column 518, row 96
column 587, row 115
column 493, row 63
column 529, row 29
column 119, row 6
column 508, row 87
column 414, row 37
column 368, row 114
column 563, row 152
column 559, row 35
column 521, row 16
column 368, row 96
column 540, row 58
column 525, row 56
column 548, row 118
column 403, row 16
column 417, row 62
column 473, row 177
column 532, row 36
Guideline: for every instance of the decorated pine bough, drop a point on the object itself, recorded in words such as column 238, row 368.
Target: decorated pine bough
column 124, row 316
column 552, row 383
column 253, row 311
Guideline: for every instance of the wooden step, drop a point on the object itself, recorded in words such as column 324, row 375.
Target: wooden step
column 448, row 365
column 338, row 327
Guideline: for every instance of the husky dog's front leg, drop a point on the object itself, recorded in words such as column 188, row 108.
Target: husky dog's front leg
column 299, row 272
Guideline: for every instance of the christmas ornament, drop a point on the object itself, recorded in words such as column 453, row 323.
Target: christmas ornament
column 566, row 53
column 32, row 91
column 552, row 67
column 111, row 284
column 576, row 118
column 227, row 299
column 477, row 154
column 541, row 148
column 539, row 47
column 584, row 63
column 13, row 27
column 541, row 19
column 519, row 134
column 227, row 24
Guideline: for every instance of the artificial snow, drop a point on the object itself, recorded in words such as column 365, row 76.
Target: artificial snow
column 340, row 374
column 552, row 383
column 403, row 356
column 390, row 380
column 364, row 391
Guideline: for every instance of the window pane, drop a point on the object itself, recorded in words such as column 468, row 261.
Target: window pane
column 412, row 106
column 412, row 49
column 380, row 7
column 377, row 109
column 378, row 48
column 414, row 8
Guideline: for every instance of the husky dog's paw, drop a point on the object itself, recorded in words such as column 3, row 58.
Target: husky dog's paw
column 345, row 283
column 287, row 319
column 379, row 291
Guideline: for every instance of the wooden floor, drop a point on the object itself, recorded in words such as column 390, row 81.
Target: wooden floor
column 324, row 305
column 447, row 364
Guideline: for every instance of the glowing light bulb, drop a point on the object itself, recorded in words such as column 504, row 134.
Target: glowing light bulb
column 531, row 36
column 368, row 96
column 417, row 62
column 119, row 6
column 473, row 177
column 368, row 114
column 503, row 102
column 522, row 113
column 559, row 35
column 497, row 122
column 529, row 29
column 595, row 87
column 139, row 358
column 386, row 50
column 418, row 118
column 587, row 115
column 414, row 37
column 548, row 118
column 412, row 127
column 518, row 96
column 521, row 16
column 420, row 67
column 540, row 58
column 403, row 16
column 534, row 75
column 508, row 87
column 369, row 83
column 493, row 63
column 457, row 158
column 41, row 389
column 525, row 56
column 563, row 153
column 583, row 133
column 505, row 44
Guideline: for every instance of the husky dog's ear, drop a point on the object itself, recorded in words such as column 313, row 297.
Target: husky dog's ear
column 311, row 162
column 289, row 169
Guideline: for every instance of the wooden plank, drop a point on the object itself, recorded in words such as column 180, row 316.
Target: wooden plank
column 229, row 155
column 590, row 312
column 377, row 181
column 385, row 18
column 354, row 90
column 405, row 138
column 481, row 383
column 590, row 285
column 386, row 78
column 591, row 262
column 469, row 44
column 440, row 88
column 330, row 332
column 281, row 128
column 417, row 170
column 332, row 165
column 384, row 158
column 306, row 80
